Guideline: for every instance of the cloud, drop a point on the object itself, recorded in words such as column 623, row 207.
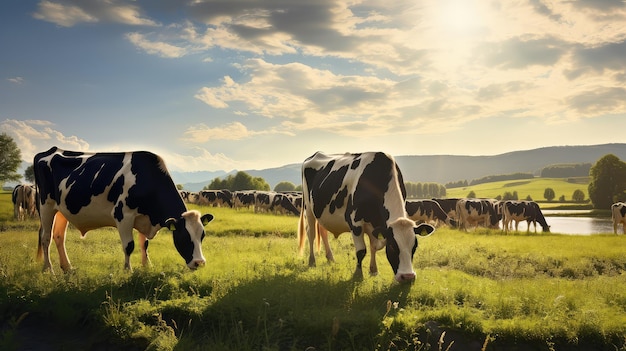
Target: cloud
column 521, row 52
column 590, row 59
column 68, row 13
column 161, row 49
column 232, row 131
column 599, row 101
column 199, row 159
column 16, row 80
column 33, row 136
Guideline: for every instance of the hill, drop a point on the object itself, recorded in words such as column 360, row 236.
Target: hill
column 448, row 168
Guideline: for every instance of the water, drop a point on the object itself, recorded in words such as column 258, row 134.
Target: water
column 574, row 225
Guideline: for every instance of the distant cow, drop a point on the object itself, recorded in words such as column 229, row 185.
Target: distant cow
column 448, row 206
column 618, row 213
column 124, row 189
column 363, row 194
column 476, row 211
column 243, row 199
column 428, row 211
column 215, row 198
column 23, row 198
column 283, row 204
column 528, row 211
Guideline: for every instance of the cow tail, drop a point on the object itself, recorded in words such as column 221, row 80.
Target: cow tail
column 301, row 232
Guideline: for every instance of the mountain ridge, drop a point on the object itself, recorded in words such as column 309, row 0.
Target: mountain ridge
column 444, row 168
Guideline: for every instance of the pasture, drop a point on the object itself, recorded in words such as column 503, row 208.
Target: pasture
column 476, row 290
column 524, row 187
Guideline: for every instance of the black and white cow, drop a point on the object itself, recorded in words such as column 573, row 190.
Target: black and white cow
column 618, row 214
column 364, row 194
column 283, row 204
column 448, row 206
column 243, row 199
column 476, row 211
column 215, row 198
column 123, row 189
column 426, row 210
column 518, row 211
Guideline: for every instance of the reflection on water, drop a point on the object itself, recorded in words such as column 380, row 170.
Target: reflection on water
column 576, row 225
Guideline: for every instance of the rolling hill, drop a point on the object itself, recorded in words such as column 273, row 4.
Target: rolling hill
column 447, row 168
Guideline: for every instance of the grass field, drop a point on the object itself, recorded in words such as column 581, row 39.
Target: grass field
column 525, row 187
column 477, row 290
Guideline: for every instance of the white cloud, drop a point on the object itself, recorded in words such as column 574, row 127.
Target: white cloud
column 16, row 80
column 154, row 47
column 68, row 13
column 232, row 131
column 33, row 136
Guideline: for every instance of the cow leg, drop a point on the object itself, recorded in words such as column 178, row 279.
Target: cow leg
column 59, row 228
column 128, row 244
column 143, row 244
column 45, row 237
column 374, row 247
column 361, row 250
column 322, row 235
column 311, row 223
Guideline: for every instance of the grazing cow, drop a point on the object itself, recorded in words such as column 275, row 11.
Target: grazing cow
column 363, row 194
column 618, row 213
column 476, row 211
column 428, row 211
column 448, row 206
column 518, row 211
column 243, row 199
column 215, row 198
column 282, row 204
column 24, row 203
column 124, row 189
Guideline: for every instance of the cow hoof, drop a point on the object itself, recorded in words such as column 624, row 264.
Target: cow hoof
column 373, row 274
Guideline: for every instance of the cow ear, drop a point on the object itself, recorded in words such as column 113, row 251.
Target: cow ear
column 206, row 219
column 424, row 230
column 380, row 233
column 171, row 224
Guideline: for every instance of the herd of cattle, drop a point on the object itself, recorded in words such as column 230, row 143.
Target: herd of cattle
column 360, row 193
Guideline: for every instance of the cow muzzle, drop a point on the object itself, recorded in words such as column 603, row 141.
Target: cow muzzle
column 405, row 277
column 195, row 264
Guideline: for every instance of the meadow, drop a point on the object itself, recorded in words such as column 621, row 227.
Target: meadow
column 526, row 187
column 474, row 291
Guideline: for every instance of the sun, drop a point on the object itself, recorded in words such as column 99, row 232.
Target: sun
column 459, row 16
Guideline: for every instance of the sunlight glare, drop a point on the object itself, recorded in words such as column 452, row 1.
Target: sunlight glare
column 459, row 16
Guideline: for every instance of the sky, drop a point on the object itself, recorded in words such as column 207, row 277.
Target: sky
column 254, row 84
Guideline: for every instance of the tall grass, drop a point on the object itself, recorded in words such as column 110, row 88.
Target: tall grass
column 479, row 288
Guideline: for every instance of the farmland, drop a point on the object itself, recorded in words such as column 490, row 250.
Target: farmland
column 483, row 289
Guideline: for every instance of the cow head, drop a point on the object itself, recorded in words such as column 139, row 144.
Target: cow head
column 401, row 238
column 188, row 232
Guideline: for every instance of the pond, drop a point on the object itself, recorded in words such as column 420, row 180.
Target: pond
column 574, row 225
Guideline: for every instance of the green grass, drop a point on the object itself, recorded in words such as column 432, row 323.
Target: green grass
column 533, row 187
column 521, row 291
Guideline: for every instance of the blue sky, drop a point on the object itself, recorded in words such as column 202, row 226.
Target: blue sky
column 245, row 84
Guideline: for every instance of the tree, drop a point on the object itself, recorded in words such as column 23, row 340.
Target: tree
column 29, row 174
column 240, row 181
column 285, row 186
column 578, row 196
column 549, row 194
column 471, row 195
column 10, row 159
column 608, row 181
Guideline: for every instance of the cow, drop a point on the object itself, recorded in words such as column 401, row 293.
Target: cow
column 243, row 199
column 476, row 211
column 448, row 206
column 518, row 211
column 618, row 214
column 428, row 211
column 122, row 189
column 282, row 204
column 23, row 198
column 362, row 193
column 215, row 198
